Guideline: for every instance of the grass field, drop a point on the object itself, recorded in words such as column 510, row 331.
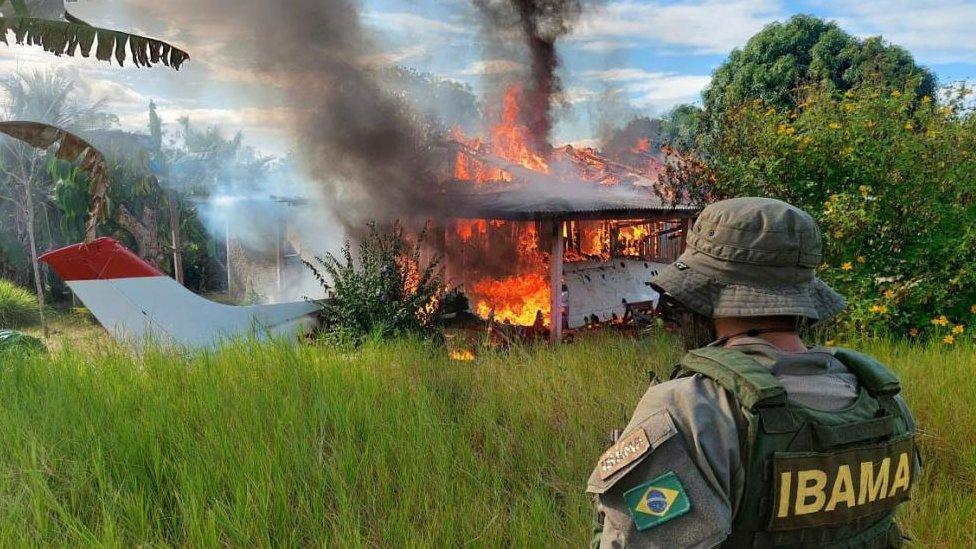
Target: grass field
column 391, row 445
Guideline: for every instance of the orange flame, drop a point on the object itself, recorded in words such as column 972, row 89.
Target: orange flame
column 520, row 297
column 461, row 355
column 516, row 299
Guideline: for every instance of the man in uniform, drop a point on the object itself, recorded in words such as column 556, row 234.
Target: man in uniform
column 757, row 441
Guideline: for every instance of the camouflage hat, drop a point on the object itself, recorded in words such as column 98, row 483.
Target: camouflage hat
column 752, row 257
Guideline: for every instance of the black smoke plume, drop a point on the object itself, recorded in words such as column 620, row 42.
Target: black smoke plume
column 540, row 23
column 367, row 148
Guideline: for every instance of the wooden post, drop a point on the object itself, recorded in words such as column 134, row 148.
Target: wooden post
column 556, row 283
column 280, row 231
column 227, row 244
column 174, row 223
column 38, row 282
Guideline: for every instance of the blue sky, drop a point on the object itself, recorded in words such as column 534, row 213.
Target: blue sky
column 647, row 54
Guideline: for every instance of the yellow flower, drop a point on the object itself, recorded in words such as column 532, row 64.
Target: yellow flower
column 864, row 190
column 785, row 129
column 896, row 93
column 948, row 340
column 879, row 309
column 889, row 294
column 871, row 124
column 834, row 126
column 861, row 259
column 838, row 234
column 940, row 320
column 847, row 266
column 958, row 329
column 973, row 309
column 926, row 99
column 909, row 126
column 913, row 332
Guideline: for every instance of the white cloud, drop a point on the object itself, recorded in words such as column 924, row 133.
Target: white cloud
column 393, row 57
column 409, row 22
column 703, row 26
column 938, row 31
column 491, row 67
column 607, row 46
column 658, row 90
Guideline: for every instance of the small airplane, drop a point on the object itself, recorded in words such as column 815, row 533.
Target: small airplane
column 138, row 304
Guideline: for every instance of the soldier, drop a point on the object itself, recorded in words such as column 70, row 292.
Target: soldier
column 757, row 441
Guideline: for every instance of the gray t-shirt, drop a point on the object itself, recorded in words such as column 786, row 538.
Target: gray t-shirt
column 694, row 432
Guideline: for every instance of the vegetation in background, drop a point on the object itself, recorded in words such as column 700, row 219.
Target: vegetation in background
column 804, row 50
column 18, row 307
column 888, row 176
column 386, row 290
column 388, row 445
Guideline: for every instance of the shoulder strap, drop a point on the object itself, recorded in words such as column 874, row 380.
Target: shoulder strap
column 751, row 382
column 874, row 376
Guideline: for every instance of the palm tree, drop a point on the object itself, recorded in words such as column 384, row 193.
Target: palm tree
column 45, row 99
column 48, row 24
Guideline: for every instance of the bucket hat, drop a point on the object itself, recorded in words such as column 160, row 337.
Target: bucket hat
column 750, row 257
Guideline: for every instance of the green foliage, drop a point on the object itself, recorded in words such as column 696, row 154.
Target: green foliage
column 388, row 290
column 18, row 307
column 888, row 175
column 13, row 342
column 48, row 25
column 807, row 50
column 681, row 126
column 70, row 196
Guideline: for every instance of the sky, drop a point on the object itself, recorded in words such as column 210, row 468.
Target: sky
column 637, row 57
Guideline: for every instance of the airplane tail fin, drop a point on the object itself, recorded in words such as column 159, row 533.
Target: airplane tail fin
column 136, row 302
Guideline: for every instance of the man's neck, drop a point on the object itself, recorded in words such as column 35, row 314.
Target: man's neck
column 779, row 333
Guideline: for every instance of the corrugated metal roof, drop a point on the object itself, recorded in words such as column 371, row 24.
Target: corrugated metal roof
column 570, row 191
column 518, row 201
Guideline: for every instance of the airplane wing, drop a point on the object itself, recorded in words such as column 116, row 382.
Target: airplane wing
column 137, row 303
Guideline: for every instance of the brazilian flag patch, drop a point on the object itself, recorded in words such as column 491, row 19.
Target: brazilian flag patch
column 657, row 501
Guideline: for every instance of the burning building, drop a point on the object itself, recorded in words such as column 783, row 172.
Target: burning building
column 570, row 231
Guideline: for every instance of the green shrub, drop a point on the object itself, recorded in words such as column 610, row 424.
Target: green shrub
column 889, row 177
column 388, row 290
column 18, row 307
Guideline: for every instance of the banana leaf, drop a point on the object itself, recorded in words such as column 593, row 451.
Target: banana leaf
column 73, row 149
column 69, row 37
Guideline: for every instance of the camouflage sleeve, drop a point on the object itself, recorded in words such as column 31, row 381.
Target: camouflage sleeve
column 674, row 478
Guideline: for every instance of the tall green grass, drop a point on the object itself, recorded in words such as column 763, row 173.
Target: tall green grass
column 18, row 307
column 390, row 445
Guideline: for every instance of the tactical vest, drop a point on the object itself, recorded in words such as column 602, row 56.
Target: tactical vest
column 816, row 478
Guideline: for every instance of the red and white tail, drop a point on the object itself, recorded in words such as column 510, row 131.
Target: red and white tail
column 136, row 302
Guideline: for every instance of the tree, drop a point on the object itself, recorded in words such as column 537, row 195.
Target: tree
column 807, row 50
column 681, row 126
column 44, row 97
column 48, row 24
column 888, row 176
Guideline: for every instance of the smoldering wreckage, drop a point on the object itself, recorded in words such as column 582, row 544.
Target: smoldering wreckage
column 558, row 238
column 575, row 233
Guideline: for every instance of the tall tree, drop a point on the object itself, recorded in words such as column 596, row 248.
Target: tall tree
column 806, row 50
column 44, row 97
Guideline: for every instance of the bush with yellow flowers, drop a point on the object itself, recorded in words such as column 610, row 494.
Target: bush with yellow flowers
column 890, row 178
